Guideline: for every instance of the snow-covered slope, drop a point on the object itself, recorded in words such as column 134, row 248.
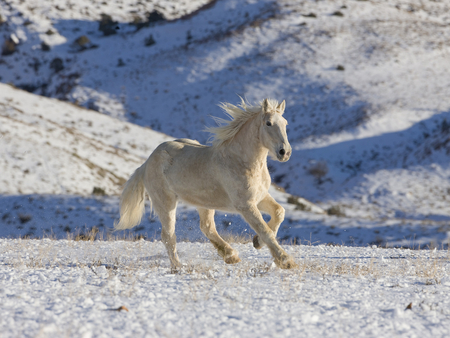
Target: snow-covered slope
column 58, row 160
column 53, row 147
column 366, row 82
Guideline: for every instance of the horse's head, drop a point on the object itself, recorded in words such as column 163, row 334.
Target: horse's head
column 273, row 130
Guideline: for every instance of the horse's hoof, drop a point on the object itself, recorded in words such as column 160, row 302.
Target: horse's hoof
column 286, row 262
column 232, row 259
column 256, row 242
column 175, row 265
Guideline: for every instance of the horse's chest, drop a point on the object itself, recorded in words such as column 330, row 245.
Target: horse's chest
column 259, row 184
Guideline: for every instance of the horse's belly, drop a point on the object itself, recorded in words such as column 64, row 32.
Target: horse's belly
column 208, row 198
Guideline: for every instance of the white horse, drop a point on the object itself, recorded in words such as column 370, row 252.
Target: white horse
column 231, row 175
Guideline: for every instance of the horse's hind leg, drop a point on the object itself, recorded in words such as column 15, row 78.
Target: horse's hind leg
column 276, row 212
column 165, row 206
column 208, row 227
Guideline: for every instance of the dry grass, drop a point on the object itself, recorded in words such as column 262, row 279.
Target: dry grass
column 129, row 256
column 229, row 237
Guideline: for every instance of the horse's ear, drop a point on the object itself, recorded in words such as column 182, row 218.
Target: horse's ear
column 281, row 107
column 265, row 105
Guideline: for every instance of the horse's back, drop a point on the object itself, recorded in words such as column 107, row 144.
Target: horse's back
column 179, row 149
column 190, row 171
column 188, row 141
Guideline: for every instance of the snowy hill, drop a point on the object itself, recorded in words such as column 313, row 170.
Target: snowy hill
column 366, row 85
column 52, row 147
column 366, row 82
column 58, row 161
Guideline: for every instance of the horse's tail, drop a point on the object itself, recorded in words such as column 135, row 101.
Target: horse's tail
column 132, row 201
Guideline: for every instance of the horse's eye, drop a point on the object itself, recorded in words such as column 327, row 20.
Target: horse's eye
column 268, row 123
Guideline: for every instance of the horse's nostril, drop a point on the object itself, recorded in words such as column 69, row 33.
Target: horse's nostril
column 282, row 152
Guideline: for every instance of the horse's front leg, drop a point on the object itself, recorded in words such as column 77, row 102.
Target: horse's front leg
column 253, row 216
column 276, row 212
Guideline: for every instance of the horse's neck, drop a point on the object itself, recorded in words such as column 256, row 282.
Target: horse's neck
column 247, row 148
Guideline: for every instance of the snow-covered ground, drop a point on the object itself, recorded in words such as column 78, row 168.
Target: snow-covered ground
column 67, row 288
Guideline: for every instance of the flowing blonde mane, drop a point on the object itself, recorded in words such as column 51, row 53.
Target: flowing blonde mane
column 239, row 115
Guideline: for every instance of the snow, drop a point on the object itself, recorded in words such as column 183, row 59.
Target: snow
column 55, row 288
column 51, row 147
column 385, row 115
column 370, row 151
column 54, row 154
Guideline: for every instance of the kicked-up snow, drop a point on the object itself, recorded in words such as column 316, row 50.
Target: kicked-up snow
column 126, row 289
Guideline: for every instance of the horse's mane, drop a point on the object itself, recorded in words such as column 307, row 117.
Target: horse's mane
column 239, row 115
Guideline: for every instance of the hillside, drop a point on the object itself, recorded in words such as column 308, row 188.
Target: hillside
column 366, row 85
column 52, row 147
column 64, row 167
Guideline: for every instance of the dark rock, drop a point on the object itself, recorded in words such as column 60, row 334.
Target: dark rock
column 310, row 15
column 9, row 46
column 65, row 86
column 57, row 65
column 335, row 210
column 155, row 16
column 340, row 67
column 24, row 218
column 36, row 64
column 107, row 25
column 445, row 127
column 45, row 47
column 82, row 43
column 150, row 41
column 151, row 19
column 98, row 191
column 29, row 87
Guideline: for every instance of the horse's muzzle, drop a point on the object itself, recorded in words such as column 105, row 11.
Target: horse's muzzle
column 283, row 155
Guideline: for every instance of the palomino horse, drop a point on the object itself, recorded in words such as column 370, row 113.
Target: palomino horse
column 231, row 175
